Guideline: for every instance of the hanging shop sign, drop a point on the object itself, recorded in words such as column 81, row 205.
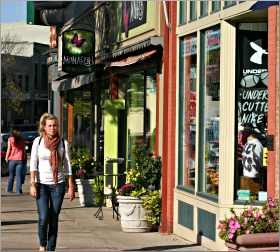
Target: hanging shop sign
column 77, row 51
column 134, row 13
column 253, row 80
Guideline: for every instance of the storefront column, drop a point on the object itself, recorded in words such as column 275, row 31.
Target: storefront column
column 272, row 62
column 169, row 119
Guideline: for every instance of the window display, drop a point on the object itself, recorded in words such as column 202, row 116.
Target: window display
column 189, row 109
column 141, row 112
column 81, row 101
column 252, row 101
column 210, row 75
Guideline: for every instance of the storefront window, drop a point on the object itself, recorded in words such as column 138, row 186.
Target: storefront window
column 193, row 10
column 188, row 66
column 228, row 3
column 209, row 111
column 216, row 5
column 203, row 8
column 183, row 12
column 252, row 103
column 141, row 113
column 150, row 115
column 80, row 99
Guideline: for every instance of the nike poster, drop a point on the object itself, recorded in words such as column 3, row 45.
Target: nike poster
column 252, row 81
column 77, row 51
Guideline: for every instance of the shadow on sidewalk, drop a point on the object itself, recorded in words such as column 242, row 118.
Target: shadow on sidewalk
column 161, row 248
column 17, row 222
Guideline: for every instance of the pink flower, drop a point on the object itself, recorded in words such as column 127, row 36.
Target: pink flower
column 232, row 223
column 237, row 225
column 232, row 230
column 250, row 211
column 258, row 215
column 271, row 203
column 247, row 232
column 230, row 236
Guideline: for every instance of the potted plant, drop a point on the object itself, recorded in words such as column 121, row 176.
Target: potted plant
column 152, row 205
column 142, row 179
column 83, row 167
column 252, row 228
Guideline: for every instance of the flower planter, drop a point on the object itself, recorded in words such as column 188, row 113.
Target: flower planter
column 132, row 215
column 255, row 242
column 86, row 194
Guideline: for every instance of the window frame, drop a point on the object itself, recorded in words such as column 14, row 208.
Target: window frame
column 181, row 129
column 201, row 4
column 213, row 10
column 201, row 123
column 192, row 14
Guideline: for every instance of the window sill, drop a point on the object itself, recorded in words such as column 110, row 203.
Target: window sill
column 207, row 196
column 249, row 203
column 202, row 16
column 185, row 189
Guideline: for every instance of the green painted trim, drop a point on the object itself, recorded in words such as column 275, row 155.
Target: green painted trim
column 206, row 224
column 201, row 115
column 181, row 111
column 185, row 214
column 182, row 9
column 30, row 12
column 215, row 6
column 185, row 189
column 193, row 10
column 207, row 196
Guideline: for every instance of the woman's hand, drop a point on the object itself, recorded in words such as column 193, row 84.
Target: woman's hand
column 71, row 193
column 33, row 190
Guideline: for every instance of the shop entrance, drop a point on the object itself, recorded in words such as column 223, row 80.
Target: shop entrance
column 114, row 142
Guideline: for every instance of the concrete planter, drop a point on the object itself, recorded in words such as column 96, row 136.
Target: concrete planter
column 255, row 242
column 86, row 194
column 132, row 215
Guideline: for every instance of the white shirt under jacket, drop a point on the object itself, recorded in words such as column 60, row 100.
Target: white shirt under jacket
column 39, row 161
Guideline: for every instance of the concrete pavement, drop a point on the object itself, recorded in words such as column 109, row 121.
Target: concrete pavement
column 79, row 230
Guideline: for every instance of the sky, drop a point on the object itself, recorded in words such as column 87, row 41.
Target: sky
column 13, row 11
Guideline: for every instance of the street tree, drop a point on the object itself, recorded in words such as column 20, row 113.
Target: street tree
column 11, row 92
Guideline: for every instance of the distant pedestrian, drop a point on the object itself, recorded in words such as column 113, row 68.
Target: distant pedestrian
column 16, row 159
column 49, row 154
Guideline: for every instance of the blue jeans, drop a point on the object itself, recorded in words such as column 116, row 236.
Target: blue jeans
column 24, row 170
column 15, row 170
column 49, row 202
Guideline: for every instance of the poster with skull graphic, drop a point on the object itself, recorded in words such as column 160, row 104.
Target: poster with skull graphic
column 252, row 158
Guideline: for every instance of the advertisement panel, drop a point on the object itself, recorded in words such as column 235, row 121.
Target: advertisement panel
column 77, row 51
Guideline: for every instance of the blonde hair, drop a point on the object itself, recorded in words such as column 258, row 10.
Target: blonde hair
column 43, row 119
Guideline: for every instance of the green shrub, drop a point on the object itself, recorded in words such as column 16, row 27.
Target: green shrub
column 152, row 203
column 83, row 164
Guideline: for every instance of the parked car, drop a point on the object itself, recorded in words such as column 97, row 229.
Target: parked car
column 29, row 137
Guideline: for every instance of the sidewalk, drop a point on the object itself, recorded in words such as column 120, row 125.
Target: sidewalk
column 79, row 230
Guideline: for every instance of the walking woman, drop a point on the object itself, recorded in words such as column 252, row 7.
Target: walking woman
column 15, row 158
column 49, row 155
